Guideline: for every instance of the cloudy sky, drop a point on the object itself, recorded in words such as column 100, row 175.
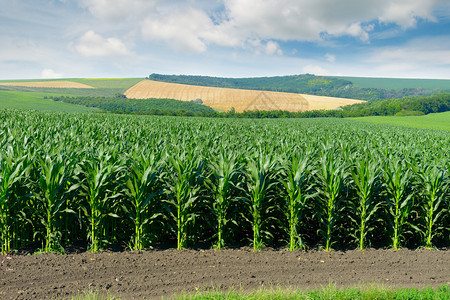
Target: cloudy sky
column 234, row 38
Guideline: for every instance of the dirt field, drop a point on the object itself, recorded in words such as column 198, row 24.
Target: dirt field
column 224, row 99
column 49, row 84
column 152, row 274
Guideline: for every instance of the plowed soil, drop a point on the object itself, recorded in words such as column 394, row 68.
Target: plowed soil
column 157, row 273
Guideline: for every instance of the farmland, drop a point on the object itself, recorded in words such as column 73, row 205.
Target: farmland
column 73, row 182
column 297, row 202
column 431, row 121
column 224, row 98
column 36, row 101
column 293, row 171
column 79, row 181
column 48, row 84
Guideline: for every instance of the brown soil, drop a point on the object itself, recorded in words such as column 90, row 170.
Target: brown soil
column 152, row 274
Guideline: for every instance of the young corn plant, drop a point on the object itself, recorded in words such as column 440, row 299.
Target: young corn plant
column 222, row 183
column 50, row 196
column 331, row 175
column 183, row 184
column 11, row 174
column 433, row 190
column 397, row 180
column 142, row 188
column 261, row 179
column 98, row 184
column 365, row 174
column 295, row 181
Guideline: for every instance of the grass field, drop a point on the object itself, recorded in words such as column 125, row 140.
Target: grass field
column 24, row 100
column 225, row 98
column 431, row 121
column 106, row 87
column 399, row 83
column 48, row 84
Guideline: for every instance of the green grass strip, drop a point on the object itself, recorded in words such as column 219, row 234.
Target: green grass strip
column 329, row 292
column 430, row 121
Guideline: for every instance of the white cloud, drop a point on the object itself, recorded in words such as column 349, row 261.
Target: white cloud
column 183, row 31
column 94, row 45
column 424, row 51
column 316, row 70
column 273, row 48
column 307, row 20
column 50, row 74
column 330, row 57
column 244, row 21
column 418, row 58
column 119, row 10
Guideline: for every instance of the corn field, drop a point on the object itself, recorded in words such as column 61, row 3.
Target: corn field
column 144, row 181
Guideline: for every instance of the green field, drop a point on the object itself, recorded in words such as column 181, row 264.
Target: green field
column 104, row 87
column 430, row 121
column 33, row 100
column 398, row 83
column 270, row 182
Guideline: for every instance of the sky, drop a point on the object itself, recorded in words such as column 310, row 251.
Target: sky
column 228, row 38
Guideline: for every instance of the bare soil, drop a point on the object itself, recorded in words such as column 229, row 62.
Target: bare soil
column 162, row 273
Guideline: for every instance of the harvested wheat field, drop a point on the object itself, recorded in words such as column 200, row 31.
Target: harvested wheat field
column 48, row 84
column 224, row 98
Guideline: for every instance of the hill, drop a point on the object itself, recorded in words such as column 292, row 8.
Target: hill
column 398, row 83
column 240, row 100
column 341, row 87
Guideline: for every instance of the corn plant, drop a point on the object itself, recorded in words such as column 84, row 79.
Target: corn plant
column 397, row 180
column 295, row 181
column 365, row 174
column 11, row 174
column 261, row 180
column 331, row 176
column 142, row 188
column 182, row 187
column 223, row 182
column 98, row 183
column 433, row 189
column 53, row 185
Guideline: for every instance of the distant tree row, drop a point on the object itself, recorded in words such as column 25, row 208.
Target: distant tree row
column 119, row 104
column 303, row 84
column 418, row 105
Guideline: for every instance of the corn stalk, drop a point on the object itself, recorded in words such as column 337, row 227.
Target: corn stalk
column 294, row 180
column 397, row 180
column 331, row 176
column 183, row 184
column 366, row 178
column 53, row 186
column 142, row 188
column 223, row 181
column 261, row 179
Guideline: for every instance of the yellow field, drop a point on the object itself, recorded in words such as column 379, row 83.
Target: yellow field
column 224, row 99
column 49, row 84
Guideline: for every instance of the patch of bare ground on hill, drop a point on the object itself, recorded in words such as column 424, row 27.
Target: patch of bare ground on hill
column 157, row 273
column 49, row 84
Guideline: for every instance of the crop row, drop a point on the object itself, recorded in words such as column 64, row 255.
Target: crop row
column 141, row 181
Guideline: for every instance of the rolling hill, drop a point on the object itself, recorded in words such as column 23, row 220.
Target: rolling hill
column 240, row 99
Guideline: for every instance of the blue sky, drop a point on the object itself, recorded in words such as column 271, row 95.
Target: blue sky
column 233, row 38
